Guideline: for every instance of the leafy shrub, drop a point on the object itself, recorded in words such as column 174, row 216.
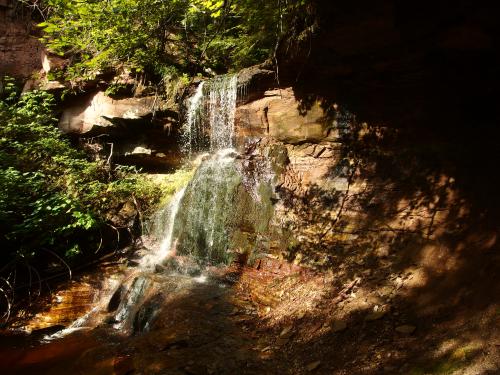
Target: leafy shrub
column 51, row 196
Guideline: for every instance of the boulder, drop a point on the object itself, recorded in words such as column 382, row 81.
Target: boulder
column 280, row 115
column 98, row 109
column 254, row 81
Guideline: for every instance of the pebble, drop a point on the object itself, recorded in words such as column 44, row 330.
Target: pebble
column 338, row 326
column 375, row 315
column 313, row 366
column 406, row 329
column 287, row 332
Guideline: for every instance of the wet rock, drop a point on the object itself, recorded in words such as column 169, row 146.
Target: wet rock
column 160, row 269
column 146, row 314
column 116, row 299
column 110, row 320
column 47, row 331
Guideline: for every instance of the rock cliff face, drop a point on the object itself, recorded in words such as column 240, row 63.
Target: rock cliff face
column 137, row 131
column 20, row 52
column 97, row 110
column 278, row 115
column 349, row 190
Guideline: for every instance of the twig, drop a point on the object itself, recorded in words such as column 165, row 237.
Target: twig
column 343, row 293
column 138, row 211
column 117, row 237
column 39, row 280
column 110, row 153
column 100, row 242
column 62, row 261
column 6, row 315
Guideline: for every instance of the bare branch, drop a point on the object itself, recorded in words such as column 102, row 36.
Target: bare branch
column 61, row 260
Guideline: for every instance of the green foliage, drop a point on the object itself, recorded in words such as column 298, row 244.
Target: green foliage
column 51, row 197
column 171, row 183
column 152, row 35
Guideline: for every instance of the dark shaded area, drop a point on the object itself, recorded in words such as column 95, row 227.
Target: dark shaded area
column 402, row 213
column 421, row 64
column 431, row 69
column 150, row 144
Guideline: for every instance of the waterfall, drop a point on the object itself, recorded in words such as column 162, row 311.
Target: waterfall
column 222, row 107
column 202, row 228
column 210, row 115
column 162, row 229
column 194, row 131
column 194, row 229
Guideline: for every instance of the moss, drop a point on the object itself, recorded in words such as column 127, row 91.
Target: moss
column 265, row 208
column 173, row 182
column 278, row 154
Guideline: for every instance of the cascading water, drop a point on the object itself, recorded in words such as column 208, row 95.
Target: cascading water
column 202, row 226
column 162, row 229
column 193, row 229
column 210, row 115
column 222, row 107
column 194, row 129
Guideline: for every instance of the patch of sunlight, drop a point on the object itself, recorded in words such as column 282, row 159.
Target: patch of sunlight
column 172, row 182
column 200, row 279
column 450, row 360
column 417, row 279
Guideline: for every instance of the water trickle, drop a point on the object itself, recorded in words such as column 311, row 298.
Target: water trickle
column 194, row 132
column 162, row 229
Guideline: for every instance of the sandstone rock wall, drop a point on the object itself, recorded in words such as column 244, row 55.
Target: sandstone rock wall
column 141, row 131
column 341, row 186
column 279, row 115
column 20, row 52
column 99, row 110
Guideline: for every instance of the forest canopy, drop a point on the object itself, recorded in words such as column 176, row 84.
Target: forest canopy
column 158, row 36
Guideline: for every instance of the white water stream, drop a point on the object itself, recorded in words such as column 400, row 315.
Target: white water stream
column 210, row 115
